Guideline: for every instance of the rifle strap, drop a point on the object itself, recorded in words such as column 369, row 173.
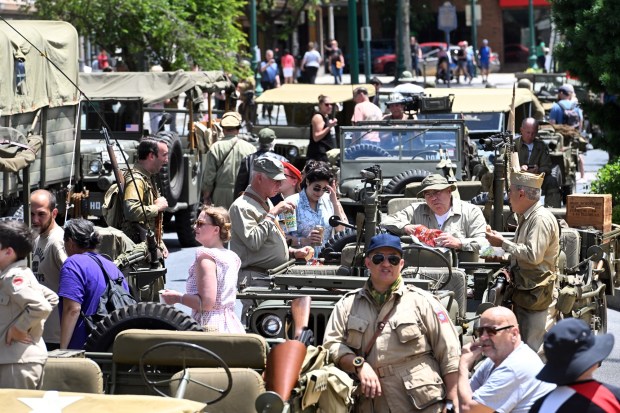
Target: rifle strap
column 380, row 328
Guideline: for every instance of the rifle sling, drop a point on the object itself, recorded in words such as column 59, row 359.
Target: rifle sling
column 380, row 328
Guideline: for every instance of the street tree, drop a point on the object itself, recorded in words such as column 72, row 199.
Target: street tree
column 279, row 19
column 172, row 33
column 588, row 52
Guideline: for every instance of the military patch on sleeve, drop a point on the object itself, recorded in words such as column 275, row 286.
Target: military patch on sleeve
column 18, row 282
column 442, row 316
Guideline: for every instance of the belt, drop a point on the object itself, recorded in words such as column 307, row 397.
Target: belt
column 389, row 370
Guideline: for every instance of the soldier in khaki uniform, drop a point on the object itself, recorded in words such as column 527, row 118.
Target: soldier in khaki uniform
column 223, row 161
column 152, row 155
column 256, row 235
column 534, row 254
column 397, row 339
column 25, row 306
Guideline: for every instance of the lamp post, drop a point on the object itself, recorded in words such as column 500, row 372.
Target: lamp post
column 354, row 65
column 532, row 58
column 254, row 48
column 474, row 33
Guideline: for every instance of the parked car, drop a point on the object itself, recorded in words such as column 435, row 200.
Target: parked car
column 516, row 53
column 386, row 64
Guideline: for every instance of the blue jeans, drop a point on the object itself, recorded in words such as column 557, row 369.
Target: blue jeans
column 337, row 73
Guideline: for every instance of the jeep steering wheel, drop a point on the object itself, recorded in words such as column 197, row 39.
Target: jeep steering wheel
column 180, row 348
column 440, row 282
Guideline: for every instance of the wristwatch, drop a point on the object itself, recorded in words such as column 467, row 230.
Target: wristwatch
column 358, row 362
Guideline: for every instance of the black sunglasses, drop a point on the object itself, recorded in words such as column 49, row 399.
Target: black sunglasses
column 379, row 258
column 491, row 331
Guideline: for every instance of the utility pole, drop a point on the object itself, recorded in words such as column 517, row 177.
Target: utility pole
column 354, row 64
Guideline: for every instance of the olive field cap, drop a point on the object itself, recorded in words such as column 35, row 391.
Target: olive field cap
column 435, row 182
column 406, row 77
column 231, row 120
column 384, row 240
column 527, row 179
column 266, row 135
column 571, row 348
column 273, row 168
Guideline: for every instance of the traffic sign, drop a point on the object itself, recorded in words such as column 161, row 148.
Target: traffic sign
column 446, row 21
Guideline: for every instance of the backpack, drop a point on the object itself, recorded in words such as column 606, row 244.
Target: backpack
column 570, row 116
column 112, row 208
column 113, row 298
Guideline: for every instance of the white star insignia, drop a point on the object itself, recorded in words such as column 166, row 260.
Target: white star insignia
column 51, row 402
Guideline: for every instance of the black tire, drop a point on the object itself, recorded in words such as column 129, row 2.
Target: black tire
column 185, row 219
column 340, row 239
column 152, row 316
column 389, row 69
column 399, row 182
column 364, row 149
column 172, row 175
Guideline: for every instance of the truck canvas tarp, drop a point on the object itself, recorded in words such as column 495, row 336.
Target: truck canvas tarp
column 37, row 103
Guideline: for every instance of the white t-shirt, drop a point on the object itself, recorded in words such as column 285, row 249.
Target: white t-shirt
column 512, row 386
column 441, row 219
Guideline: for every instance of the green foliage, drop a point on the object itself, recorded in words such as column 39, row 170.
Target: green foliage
column 173, row 33
column 286, row 13
column 608, row 182
column 587, row 50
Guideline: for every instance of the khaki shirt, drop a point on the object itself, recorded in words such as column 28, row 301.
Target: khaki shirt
column 256, row 240
column 221, row 168
column 466, row 222
column 47, row 259
column 535, row 248
column 135, row 224
column 26, row 304
column 417, row 347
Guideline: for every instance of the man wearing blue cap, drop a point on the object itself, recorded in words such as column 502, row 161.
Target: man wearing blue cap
column 573, row 354
column 397, row 339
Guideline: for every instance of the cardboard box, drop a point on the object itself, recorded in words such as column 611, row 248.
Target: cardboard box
column 594, row 210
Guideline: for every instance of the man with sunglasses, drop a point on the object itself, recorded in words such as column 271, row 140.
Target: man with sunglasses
column 534, row 253
column 462, row 223
column 397, row 339
column 506, row 381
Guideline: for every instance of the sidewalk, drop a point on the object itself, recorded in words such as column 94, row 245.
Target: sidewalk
column 495, row 79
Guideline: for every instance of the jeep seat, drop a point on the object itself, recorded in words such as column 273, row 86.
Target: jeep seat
column 72, row 374
column 247, row 385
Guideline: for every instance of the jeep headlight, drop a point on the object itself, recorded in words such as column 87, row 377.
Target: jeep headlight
column 270, row 325
column 292, row 152
column 95, row 166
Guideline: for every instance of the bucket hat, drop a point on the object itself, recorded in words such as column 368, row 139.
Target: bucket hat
column 571, row 348
column 435, row 182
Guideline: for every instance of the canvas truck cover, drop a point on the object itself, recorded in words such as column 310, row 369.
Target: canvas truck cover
column 44, row 84
column 477, row 100
column 151, row 87
column 309, row 94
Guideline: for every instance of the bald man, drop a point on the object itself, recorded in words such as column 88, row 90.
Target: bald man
column 506, row 380
column 48, row 256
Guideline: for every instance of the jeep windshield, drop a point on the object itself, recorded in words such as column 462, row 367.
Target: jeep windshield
column 491, row 122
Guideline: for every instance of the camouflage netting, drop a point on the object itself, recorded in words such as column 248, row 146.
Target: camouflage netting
column 17, row 151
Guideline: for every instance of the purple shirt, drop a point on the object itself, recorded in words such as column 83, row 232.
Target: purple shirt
column 82, row 281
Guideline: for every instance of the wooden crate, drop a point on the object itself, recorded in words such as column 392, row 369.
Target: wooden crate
column 589, row 210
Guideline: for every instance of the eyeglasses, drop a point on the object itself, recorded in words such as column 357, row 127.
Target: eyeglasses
column 199, row 223
column 379, row 258
column 320, row 189
column 490, row 330
column 328, row 104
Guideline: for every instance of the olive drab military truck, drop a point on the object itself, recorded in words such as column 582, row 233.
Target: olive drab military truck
column 38, row 111
column 123, row 98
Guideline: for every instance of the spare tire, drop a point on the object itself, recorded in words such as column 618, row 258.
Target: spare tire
column 399, row 182
column 340, row 239
column 365, row 149
column 152, row 316
column 172, row 174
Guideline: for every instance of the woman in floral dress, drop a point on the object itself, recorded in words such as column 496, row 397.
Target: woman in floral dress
column 212, row 282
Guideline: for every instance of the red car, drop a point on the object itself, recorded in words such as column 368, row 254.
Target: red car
column 386, row 64
column 516, row 53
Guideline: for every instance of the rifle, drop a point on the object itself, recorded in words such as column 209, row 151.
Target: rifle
column 300, row 310
column 120, row 178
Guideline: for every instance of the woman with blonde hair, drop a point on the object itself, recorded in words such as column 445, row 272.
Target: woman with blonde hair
column 212, row 281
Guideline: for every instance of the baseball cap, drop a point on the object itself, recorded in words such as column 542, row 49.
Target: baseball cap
column 266, row 135
column 384, row 240
column 273, row 168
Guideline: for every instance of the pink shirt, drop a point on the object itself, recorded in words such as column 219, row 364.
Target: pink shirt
column 288, row 61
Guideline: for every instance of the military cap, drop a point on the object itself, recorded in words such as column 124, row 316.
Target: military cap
column 273, row 168
column 527, row 179
column 231, row 120
column 266, row 135
column 435, row 182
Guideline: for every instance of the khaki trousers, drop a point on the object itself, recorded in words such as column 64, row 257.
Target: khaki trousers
column 27, row 376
